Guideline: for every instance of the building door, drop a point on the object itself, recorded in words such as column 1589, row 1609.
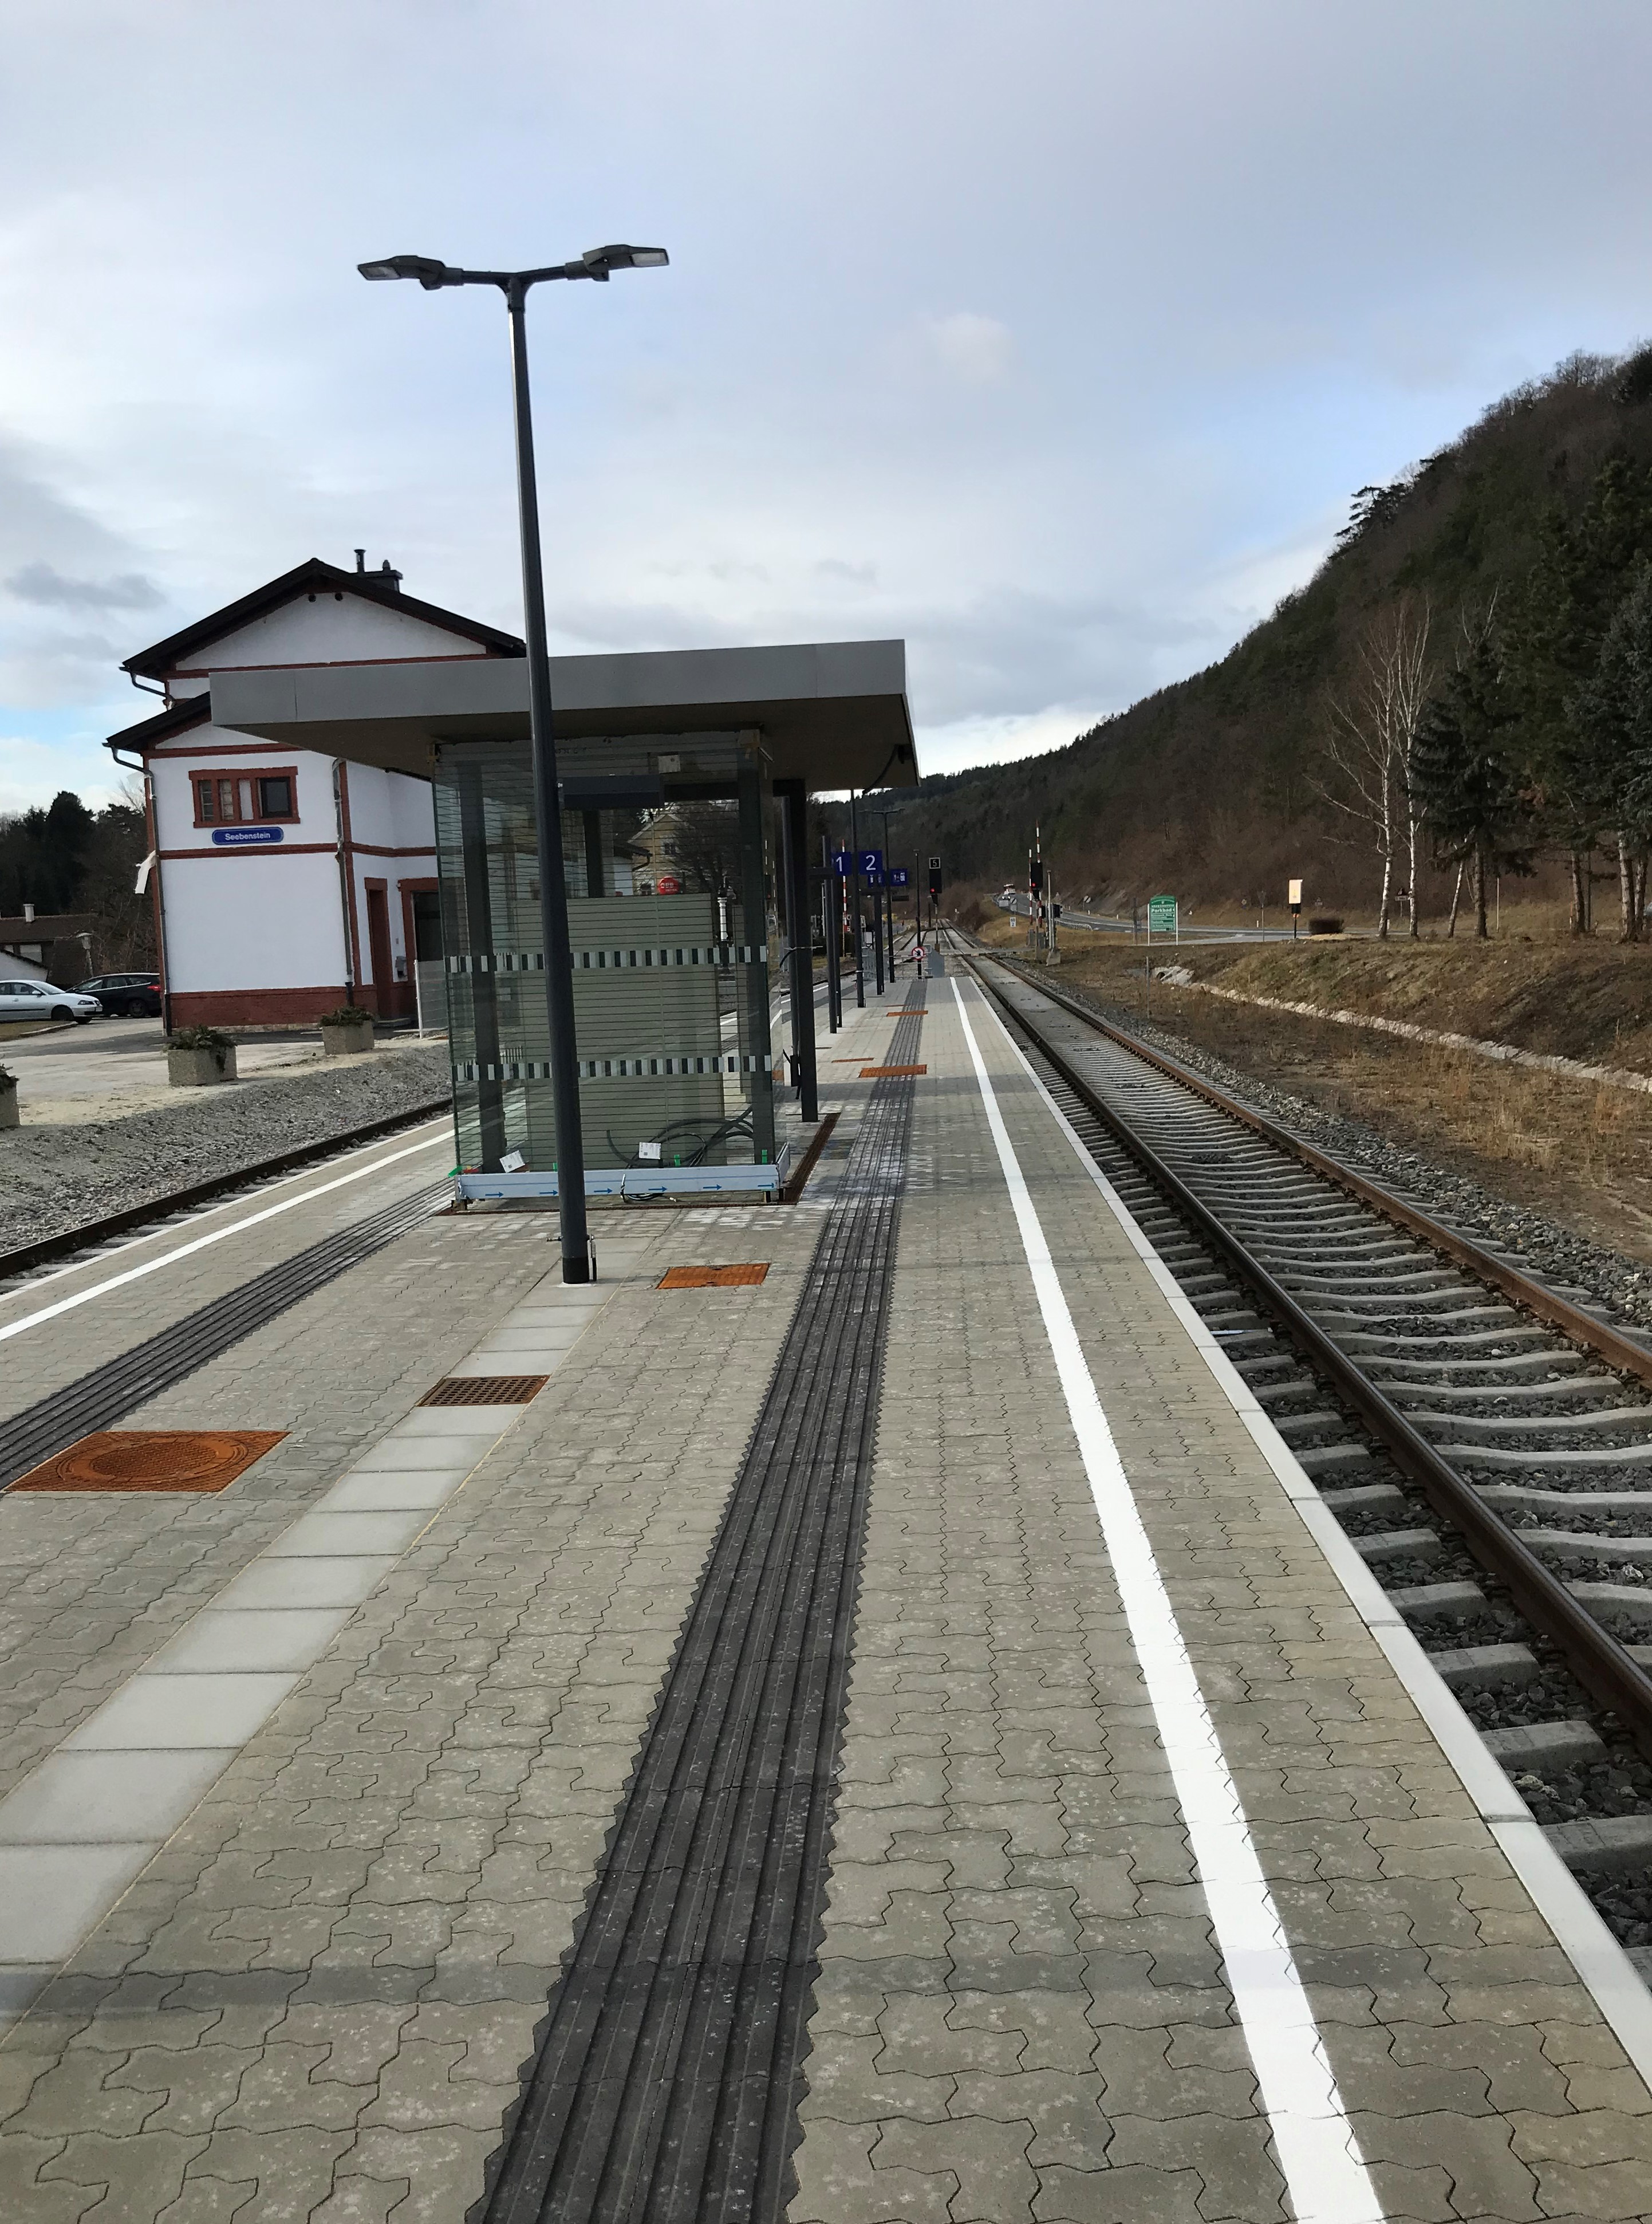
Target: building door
column 378, row 943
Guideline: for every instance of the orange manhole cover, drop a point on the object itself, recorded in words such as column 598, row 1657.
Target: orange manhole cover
column 891, row 1072
column 485, row 1390
column 711, row 1277
column 153, row 1459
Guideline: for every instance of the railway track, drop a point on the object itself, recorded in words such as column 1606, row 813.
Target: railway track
column 91, row 1235
column 1485, row 1444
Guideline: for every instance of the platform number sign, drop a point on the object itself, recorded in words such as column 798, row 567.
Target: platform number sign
column 871, row 863
column 843, row 862
column 1161, row 914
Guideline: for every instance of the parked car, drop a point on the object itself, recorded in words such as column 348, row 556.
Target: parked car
column 38, row 1000
column 129, row 995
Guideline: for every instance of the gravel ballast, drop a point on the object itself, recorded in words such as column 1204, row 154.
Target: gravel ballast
column 53, row 1179
column 1551, row 1254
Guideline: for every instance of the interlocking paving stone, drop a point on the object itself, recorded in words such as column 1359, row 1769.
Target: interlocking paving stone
column 1022, row 2012
column 315, row 1999
column 317, row 1996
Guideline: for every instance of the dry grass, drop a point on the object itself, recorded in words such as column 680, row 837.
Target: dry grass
column 1578, row 1150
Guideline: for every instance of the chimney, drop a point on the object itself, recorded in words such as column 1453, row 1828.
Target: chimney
column 391, row 578
column 361, row 560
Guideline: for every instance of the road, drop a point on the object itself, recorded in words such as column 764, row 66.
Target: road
column 1103, row 923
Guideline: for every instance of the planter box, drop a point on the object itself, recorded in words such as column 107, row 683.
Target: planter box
column 10, row 1116
column 198, row 1069
column 345, row 1042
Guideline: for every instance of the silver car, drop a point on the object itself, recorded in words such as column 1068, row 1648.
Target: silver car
column 39, row 1000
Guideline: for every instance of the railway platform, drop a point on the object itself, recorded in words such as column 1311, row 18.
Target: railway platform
column 514, row 1806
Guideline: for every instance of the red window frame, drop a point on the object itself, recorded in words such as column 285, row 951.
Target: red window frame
column 219, row 777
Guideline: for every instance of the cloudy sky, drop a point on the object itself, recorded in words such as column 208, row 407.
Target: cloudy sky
column 1052, row 336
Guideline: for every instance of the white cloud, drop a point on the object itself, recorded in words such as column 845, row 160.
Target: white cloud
column 43, row 582
column 998, row 741
column 1036, row 351
column 32, row 770
column 977, row 349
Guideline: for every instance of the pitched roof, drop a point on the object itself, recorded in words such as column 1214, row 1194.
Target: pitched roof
column 192, row 710
column 311, row 578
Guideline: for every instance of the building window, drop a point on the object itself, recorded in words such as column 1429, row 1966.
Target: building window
column 244, row 799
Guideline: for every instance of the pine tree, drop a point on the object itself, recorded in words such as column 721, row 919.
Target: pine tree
column 1469, row 784
column 1556, row 623
column 1611, row 715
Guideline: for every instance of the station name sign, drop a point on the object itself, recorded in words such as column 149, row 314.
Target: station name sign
column 246, row 837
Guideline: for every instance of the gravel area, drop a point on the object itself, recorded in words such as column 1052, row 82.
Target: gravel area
column 1554, row 1254
column 56, row 1179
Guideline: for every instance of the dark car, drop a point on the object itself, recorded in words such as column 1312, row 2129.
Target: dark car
column 127, row 996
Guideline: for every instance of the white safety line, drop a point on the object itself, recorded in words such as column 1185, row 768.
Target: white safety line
column 1603, row 1967
column 1318, row 2154
column 216, row 1235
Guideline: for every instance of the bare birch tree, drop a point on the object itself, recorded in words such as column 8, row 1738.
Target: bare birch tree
column 1370, row 730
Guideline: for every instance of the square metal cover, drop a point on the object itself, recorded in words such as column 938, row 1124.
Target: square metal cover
column 153, row 1460
column 712, row 1278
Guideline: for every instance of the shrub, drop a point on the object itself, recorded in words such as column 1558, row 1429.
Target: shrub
column 1325, row 926
column 202, row 1038
column 347, row 1016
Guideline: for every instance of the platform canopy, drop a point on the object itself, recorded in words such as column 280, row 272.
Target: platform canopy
column 833, row 714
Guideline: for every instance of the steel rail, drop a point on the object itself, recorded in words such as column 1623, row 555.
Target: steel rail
column 1620, row 1353
column 92, row 1233
column 1601, row 1665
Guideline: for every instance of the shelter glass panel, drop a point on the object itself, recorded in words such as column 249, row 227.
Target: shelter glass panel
column 671, row 882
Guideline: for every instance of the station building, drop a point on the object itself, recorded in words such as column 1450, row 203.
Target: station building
column 680, row 991
column 288, row 880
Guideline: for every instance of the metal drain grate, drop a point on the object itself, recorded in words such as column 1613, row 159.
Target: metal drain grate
column 711, row 1277
column 153, row 1460
column 485, row 1390
column 891, row 1072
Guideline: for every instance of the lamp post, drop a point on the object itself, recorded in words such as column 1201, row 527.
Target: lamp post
column 888, row 898
column 599, row 263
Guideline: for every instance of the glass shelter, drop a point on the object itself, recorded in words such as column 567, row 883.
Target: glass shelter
column 685, row 775
column 677, row 951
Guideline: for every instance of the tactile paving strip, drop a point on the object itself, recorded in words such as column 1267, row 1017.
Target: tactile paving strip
column 664, row 2082
column 485, row 1390
column 712, row 1278
column 153, row 1459
column 891, row 1072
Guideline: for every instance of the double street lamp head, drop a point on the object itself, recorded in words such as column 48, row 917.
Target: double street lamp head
column 598, row 263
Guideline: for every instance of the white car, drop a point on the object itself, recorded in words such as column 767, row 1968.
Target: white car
column 38, row 1000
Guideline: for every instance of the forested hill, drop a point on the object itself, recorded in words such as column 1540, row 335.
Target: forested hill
column 1212, row 786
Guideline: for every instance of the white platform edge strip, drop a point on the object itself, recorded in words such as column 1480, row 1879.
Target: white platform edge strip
column 1603, row 1967
column 1313, row 2141
column 214, row 1235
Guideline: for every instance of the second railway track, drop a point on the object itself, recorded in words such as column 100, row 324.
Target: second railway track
column 1486, row 1446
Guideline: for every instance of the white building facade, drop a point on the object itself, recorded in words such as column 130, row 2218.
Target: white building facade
column 287, row 882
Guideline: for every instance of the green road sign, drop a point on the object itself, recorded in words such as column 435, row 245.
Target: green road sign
column 1161, row 914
